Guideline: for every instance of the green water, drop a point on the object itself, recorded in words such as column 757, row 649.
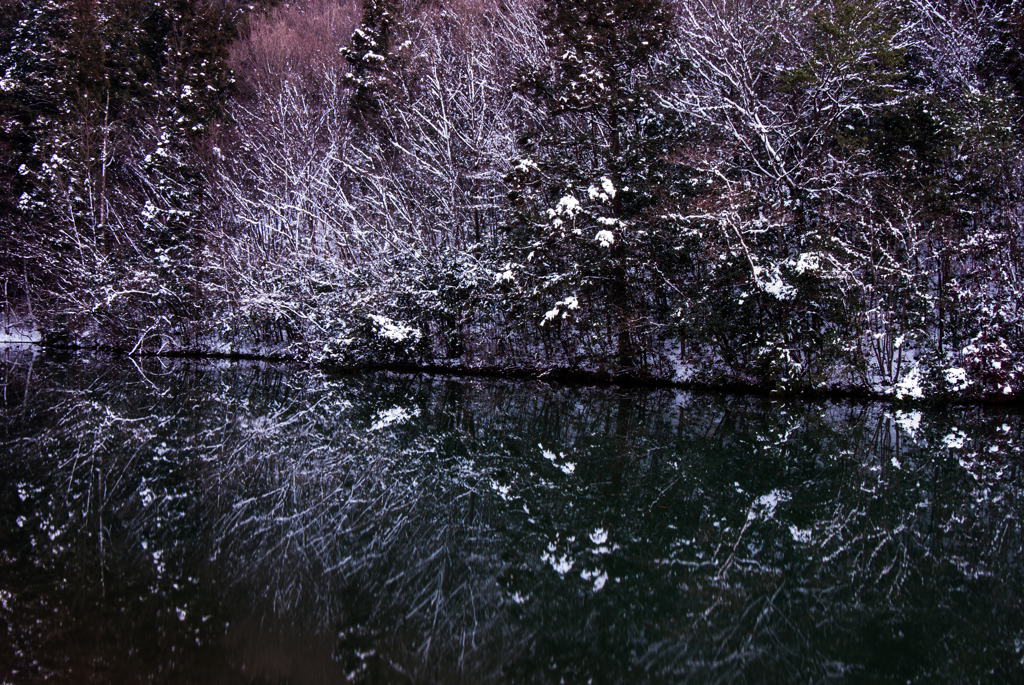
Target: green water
column 213, row 522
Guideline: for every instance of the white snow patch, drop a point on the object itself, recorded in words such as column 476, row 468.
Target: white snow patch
column 392, row 416
column 502, row 490
column 19, row 336
column 910, row 385
column 765, row 505
column 957, row 378
column 393, row 330
column 803, row 536
column 773, row 284
column 682, row 372
column 504, row 276
column 807, row 261
column 605, row 238
column 562, row 307
column 526, row 165
column 599, row 578
column 607, row 186
column 567, row 468
column 909, row 421
column 561, row 565
column 955, row 440
column 568, row 206
column 158, row 561
column 605, row 192
column 599, row 536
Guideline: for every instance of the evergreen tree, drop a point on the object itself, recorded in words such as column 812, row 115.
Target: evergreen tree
column 102, row 102
column 371, row 60
column 594, row 167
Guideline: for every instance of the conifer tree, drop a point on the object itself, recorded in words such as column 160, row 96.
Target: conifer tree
column 97, row 99
column 591, row 169
column 370, row 59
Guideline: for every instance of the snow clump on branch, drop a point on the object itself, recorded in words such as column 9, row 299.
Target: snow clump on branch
column 562, row 307
column 504, row 276
column 605, row 192
column 395, row 332
column 775, row 287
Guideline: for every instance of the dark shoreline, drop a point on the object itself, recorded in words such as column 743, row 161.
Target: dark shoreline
column 558, row 376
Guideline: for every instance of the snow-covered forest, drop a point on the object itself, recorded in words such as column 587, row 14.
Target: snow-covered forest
column 788, row 194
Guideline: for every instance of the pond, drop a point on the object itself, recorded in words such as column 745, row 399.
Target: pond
column 177, row 521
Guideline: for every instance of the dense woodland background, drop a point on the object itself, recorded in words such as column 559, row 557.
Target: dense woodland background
column 806, row 194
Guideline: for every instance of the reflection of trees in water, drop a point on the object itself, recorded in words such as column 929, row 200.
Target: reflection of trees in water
column 481, row 530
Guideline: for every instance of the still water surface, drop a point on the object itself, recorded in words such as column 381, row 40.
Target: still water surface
column 217, row 522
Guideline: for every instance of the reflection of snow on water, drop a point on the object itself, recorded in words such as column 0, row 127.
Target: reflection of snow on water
column 765, row 505
column 561, row 565
column 909, row 421
column 299, row 502
column 502, row 491
column 599, row 578
column 14, row 336
column 568, row 467
column 395, row 415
